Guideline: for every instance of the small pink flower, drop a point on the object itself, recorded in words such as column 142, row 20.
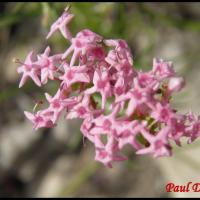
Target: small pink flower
column 178, row 128
column 193, row 129
column 82, row 109
column 61, row 24
column 75, row 74
column 147, row 80
column 83, row 42
column 137, row 98
column 58, row 104
column 105, row 123
column 163, row 113
column 121, row 47
column 119, row 87
column 127, row 133
column 159, row 145
column 48, row 65
column 109, row 153
column 29, row 69
column 96, row 53
column 112, row 57
column 162, row 69
column 39, row 120
column 101, row 85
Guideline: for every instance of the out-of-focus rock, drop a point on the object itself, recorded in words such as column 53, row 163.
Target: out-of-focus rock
column 13, row 140
column 57, row 177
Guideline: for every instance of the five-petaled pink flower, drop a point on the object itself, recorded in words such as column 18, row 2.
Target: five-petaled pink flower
column 29, row 69
column 61, row 24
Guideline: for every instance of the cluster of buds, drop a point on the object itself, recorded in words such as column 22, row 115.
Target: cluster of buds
column 119, row 105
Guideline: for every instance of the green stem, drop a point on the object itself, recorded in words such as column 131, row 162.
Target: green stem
column 79, row 179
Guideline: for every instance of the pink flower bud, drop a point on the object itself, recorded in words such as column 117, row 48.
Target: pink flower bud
column 176, row 84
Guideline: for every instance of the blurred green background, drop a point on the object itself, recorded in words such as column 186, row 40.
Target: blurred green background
column 51, row 163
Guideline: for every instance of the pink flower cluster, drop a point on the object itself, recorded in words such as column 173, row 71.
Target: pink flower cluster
column 119, row 105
